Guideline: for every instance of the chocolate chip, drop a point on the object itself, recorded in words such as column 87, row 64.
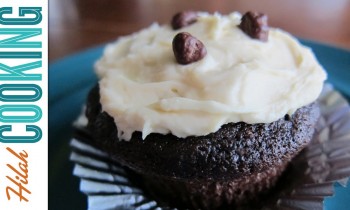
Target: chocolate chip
column 255, row 25
column 287, row 117
column 188, row 49
column 183, row 19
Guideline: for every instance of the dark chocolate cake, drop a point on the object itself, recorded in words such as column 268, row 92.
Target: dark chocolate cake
column 228, row 167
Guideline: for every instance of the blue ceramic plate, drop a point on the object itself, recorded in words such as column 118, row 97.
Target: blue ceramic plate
column 69, row 82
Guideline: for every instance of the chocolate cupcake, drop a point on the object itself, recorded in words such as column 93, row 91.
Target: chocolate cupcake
column 207, row 113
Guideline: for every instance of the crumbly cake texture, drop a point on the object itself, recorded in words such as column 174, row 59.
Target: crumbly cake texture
column 230, row 167
column 236, row 150
column 310, row 175
column 212, row 194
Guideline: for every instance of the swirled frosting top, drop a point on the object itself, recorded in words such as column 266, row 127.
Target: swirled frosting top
column 240, row 79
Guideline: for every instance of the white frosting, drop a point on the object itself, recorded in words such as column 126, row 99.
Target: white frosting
column 240, row 79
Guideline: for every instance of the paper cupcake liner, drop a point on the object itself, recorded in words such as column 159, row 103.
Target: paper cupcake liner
column 308, row 180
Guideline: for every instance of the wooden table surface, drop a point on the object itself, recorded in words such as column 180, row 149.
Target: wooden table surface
column 76, row 25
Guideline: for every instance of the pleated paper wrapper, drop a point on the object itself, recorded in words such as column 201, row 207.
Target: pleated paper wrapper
column 311, row 175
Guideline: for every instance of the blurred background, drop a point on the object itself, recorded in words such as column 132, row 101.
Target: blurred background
column 76, row 25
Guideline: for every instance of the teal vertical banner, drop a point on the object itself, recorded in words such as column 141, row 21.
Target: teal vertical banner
column 24, row 104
